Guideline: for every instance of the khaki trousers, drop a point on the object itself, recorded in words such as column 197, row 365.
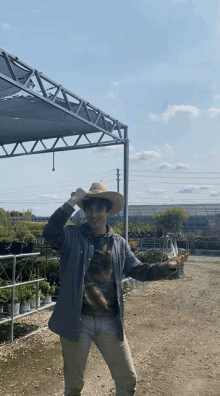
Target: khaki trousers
column 103, row 332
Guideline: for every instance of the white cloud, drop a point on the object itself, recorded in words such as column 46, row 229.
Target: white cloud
column 154, row 117
column 172, row 111
column 114, row 84
column 144, row 156
column 106, row 151
column 166, row 165
column 111, row 95
column 5, row 25
column 168, row 149
column 48, row 195
column 156, row 191
column 190, row 111
column 213, row 112
column 190, row 188
column 216, row 98
column 181, row 166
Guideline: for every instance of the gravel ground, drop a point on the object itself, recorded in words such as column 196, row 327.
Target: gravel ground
column 201, row 293
column 172, row 328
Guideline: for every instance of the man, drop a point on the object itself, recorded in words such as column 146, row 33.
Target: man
column 90, row 302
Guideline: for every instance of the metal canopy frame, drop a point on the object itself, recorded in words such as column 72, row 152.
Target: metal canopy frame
column 76, row 117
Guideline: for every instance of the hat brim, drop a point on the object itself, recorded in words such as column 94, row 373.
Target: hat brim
column 116, row 198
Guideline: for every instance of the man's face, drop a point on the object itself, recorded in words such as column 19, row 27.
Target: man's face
column 96, row 218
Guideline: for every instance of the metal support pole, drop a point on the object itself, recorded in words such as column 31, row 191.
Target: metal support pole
column 126, row 172
column 118, row 216
column 12, row 302
column 37, row 291
column 118, row 180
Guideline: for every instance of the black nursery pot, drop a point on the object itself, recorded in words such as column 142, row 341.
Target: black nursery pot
column 29, row 248
column 3, row 250
column 16, row 248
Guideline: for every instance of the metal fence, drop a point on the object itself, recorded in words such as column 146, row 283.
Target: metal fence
column 13, row 285
column 5, row 318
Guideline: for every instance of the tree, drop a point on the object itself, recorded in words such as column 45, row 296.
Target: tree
column 5, row 218
column 171, row 220
column 27, row 216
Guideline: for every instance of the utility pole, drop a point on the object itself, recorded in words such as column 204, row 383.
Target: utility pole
column 118, row 170
column 118, row 186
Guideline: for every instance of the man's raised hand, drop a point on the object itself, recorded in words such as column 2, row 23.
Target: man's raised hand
column 177, row 261
column 78, row 195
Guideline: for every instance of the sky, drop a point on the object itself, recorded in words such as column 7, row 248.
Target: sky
column 152, row 65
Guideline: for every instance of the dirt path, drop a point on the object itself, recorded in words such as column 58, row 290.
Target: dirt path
column 173, row 333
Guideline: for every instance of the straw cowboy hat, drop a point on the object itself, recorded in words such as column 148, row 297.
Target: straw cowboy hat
column 99, row 190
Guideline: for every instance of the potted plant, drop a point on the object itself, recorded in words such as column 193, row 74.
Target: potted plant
column 29, row 242
column 16, row 246
column 52, row 291
column 25, row 237
column 47, row 290
column 6, row 238
column 16, row 306
column 33, row 287
column 4, row 294
column 24, row 294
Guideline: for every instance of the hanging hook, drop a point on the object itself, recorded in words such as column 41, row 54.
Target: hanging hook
column 53, row 162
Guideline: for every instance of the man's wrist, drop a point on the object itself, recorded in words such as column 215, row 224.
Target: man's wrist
column 71, row 202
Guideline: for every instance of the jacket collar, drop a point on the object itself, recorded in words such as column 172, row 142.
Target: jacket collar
column 84, row 229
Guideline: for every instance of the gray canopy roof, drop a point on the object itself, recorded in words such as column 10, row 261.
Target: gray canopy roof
column 34, row 108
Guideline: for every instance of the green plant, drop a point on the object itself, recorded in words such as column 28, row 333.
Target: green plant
column 5, row 294
column 16, row 299
column 151, row 256
column 171, row 220
column 24, row 293
column 6, row 234
column 22, row 234
column 52, row 291
column 5, row 218
column 44, row 287
column 118, row 227
column 133, row 245
column 35, row 228
column 40, row 295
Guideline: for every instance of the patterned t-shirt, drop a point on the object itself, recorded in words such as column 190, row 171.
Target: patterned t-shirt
column 99, row 295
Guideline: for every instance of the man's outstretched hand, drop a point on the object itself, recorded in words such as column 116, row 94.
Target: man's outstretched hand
column 177, row 261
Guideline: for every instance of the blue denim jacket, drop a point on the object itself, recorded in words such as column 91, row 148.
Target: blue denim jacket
column 76, row 251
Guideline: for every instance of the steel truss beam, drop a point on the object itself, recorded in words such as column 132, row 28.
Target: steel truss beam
column 73, row 109
column 79, row 109
column 67, row 147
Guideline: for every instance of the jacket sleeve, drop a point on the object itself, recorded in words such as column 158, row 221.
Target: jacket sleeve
column 144, row 271
column 56, row 235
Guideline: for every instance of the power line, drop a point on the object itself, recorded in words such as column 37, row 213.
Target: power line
column 176, row 177
column 100, row 175
column 162, row 171
column 146, row 182
column 109, row 179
